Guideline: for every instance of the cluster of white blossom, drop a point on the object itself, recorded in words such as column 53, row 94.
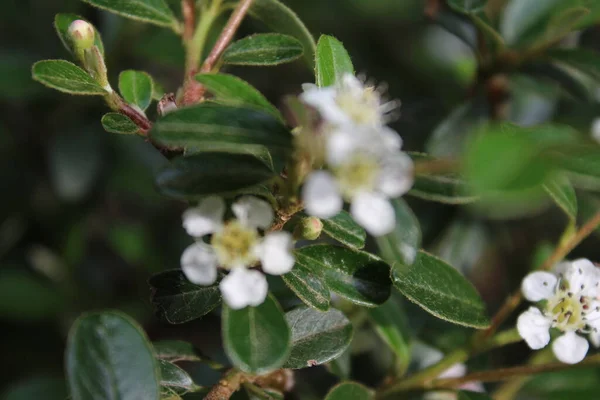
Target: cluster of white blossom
column 236, row 246
column 569, row 300
column 364, row 164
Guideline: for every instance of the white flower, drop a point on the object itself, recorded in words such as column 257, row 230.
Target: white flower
column 571, row 306
column 235, row 245
column 363, row 170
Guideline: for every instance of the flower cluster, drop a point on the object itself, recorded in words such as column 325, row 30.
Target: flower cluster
column 569, row 302
column 237, row 246
column 364, row 163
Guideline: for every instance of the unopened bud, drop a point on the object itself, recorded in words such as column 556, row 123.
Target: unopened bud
column 308, row 228
column 166, row 104
column 82, row 34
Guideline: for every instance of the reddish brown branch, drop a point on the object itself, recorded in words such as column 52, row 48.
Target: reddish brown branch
column 188, row 9
column 137, row 117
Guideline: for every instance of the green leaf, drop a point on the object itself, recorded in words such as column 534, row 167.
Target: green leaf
column 257, row 393
column 332, row 61
column 152, row 11
column 109, row 357
column 350, row 391
column 467, row 6
column 401, row 245
column 256, row 339
column 37, row 387
column 65, row 77
column 449, row 188
column 317, row 337
column 391, row 324
column 176, row 300
column 440, row 290
column 584, row 60
column 563, row 194
column 229, row 89
column 345, row 230
column 119, row 123
column 136, row 87
column 357, row 276
column 308, row 287
column 279, row 18
column 62, row 23
column 211, row 173
column 521, row 18
column 219, row 125
column 177, row 379
column 263, row 50
column 177, row 350
column 468, row 395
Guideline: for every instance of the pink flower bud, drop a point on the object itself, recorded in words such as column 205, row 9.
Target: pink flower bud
column 82, row 34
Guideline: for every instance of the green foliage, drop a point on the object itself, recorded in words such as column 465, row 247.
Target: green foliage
column 263, row 50
column 152, row 11
column 23, row 296
column 467, row 6
column 468, row 395
column 119, row 123
column 332, row 61
column 345, row 230
column 317, row 337
column 350, row 391
column 66, row 77
column 112, row 352
column 402, row 244
column 175, row 378
column 176, row 300
column 256, row 339
column 563, row 194
column 136, row 87
column 521, row 19
column 176, row 350
column 441, row 290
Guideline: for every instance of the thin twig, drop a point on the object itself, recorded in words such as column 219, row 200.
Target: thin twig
column 188, row 9
column 118, row 104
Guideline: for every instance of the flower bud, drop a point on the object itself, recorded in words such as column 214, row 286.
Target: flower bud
column 82, row 34
column 308, row 228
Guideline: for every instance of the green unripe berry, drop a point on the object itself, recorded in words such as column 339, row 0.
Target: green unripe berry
column 308, row 228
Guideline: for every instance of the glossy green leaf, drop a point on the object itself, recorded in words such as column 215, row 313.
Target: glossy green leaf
column 217, row 125
column 176, row 300
column 167, row 393
column 332, row 61
column 359, row 277
column 177, row 379
column 109, row 357
column 391, row 324
column 350, row 391
column 152, row 11
column 256, row 339
column 62, row 23
column 467, row 6
column 119, row 123
column 449, row 188
column 584, row 60
column 308, row 287
column 563, row 194
column 65, row 77
column 257, row 393
column 317, row 337
column 345, row 230
column 441, row 290
column 263, row 50
column 230, row 89
column 176, row 350
column 561, row 24
column 468, row 395
column 521, row 17
column 463, row 244
column 401, row 245
column 211, row 173
column 279, row 18
column 136, row 87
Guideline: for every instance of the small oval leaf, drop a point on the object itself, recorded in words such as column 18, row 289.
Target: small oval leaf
column 136, row 87
column 263, row 49
column 345, row 230
column 308, row 287
column 563, row 194
column 108, row 356
column 441, row 290
column 176, row 300
column 177, row 350
column 175, row 378
column 256, row 339
column 119, row 123
column 350, row 391
column 332, row 61
column 317, row 337
column 152, row 11
column 65, row 77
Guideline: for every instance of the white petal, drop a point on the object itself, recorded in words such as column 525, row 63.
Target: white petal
column 534, row 328
column 455, row 371
column 390, row 138
column 425, row 354
column 206, row 218
column 275, row 253
column 539, row 285
column 321, row 196
column 583, row 276
column 323, row 100
column 352, row 84
column 243, row 287
column 596, row 129
column 373, row 212
column 396, row 175
column 561, row 268
column 199, row 264
column 253, row 212
column 340, row 145
column 594, row 337
column 570, row 348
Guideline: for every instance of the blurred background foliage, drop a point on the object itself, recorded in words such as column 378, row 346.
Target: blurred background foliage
column 82, row 226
